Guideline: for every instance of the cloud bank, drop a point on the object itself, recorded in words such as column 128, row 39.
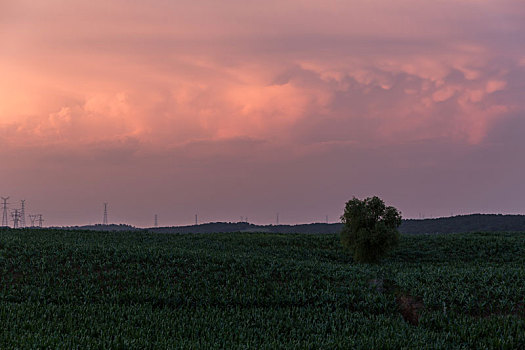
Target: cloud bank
column 189, row 89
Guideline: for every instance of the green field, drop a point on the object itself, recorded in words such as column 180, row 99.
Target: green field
column 61, row 289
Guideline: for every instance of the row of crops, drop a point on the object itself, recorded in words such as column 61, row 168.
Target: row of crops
column 61, row 289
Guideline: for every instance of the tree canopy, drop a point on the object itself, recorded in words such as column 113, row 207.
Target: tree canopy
column 369, row 228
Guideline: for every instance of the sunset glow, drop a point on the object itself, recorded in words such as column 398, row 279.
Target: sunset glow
column 240, row 108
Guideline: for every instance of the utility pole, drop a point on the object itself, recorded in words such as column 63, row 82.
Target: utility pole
column 277, row 219
column 196, row 219
column 327, row 219
column 23, row 214
column 5, row 222
column 156, row 221
column 105, row 220
column 40, row 220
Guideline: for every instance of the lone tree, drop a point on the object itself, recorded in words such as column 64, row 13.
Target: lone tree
column 370, row 229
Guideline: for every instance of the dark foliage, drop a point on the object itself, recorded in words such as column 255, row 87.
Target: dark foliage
column 370, row 229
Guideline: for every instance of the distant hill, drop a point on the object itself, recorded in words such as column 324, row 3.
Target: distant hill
column 454, row 224
column 215, row 227
column 466, row 223
column 100, row 227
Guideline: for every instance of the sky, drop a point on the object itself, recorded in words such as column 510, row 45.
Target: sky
column 251, row 108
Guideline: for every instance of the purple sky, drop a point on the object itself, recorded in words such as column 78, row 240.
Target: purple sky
column 236, row 108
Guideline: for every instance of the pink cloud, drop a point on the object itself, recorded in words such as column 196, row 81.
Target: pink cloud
column 280, row 81
column 495, row 85
column 443, row 94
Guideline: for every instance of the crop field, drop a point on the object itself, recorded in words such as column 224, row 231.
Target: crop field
column 65, row 290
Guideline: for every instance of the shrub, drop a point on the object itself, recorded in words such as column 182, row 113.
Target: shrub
column 370, row 229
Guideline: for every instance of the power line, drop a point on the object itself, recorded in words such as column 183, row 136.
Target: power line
column 5, row 221
column 23, row 213
column 105, row 220
column 15, row 214
column 32, row 218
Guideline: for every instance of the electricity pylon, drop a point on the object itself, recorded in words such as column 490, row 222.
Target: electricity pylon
column 5, row 221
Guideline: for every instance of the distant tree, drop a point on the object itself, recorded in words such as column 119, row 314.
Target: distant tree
column 369, row 229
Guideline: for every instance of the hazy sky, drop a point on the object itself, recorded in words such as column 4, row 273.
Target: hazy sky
column 248, row 108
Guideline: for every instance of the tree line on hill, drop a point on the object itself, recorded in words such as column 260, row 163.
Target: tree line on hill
column 454, row 224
